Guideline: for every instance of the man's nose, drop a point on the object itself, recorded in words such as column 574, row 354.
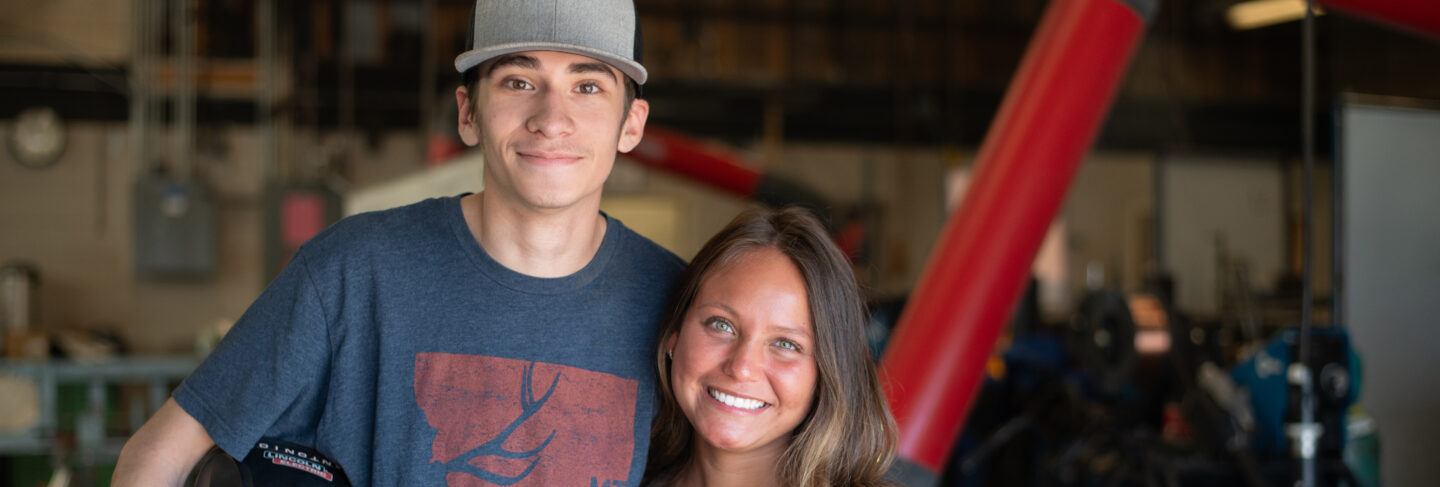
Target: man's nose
column 551, row 115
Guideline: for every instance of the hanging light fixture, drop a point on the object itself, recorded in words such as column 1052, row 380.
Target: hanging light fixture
column 1260, row 13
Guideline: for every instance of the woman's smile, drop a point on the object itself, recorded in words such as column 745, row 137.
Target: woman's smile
column 742, row 403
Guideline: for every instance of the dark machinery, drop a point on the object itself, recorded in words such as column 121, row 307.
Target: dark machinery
column 1081, row 404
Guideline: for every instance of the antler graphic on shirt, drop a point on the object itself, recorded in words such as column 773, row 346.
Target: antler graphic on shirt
column 495, row 447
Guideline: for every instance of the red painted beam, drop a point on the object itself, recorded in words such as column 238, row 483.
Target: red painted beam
column 675, row 153
column 718, row 168
column 1420, row 16
column 1046, row 124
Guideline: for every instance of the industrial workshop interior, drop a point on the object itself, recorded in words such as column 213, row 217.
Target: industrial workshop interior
column 1100, row 242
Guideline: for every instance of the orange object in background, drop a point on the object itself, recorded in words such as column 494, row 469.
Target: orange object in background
column 1174, row 429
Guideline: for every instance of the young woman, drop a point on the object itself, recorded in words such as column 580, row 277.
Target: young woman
column 764, row 371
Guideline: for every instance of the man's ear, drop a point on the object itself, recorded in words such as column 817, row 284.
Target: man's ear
column 469, row 131
column 634, row 128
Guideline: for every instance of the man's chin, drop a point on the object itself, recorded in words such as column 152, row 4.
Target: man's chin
column 553, row 202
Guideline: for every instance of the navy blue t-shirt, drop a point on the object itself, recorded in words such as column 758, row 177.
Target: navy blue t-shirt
column 396, row 346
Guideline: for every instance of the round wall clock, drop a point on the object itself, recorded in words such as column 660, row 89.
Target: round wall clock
column 37, row 137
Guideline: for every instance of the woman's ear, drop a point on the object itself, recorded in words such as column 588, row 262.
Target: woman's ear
column 670, row 345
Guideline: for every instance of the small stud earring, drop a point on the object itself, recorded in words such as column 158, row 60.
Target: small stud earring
column 670, row 353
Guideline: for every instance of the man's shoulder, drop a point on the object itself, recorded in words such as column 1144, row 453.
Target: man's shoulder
column 639, row 250
column 385, row 230
column 429, row 214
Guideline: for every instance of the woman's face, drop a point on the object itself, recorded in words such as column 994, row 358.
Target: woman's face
column 743, row 368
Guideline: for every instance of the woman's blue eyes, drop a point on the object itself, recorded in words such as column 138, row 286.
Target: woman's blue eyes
column 723, row 326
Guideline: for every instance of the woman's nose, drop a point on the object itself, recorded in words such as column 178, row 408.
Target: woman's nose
column 746, row 361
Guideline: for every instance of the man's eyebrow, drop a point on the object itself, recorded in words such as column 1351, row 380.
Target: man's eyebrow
column 517, row 60
column 594, row 67
column 529, row 62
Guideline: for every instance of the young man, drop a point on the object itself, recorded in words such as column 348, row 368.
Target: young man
column 504, row 337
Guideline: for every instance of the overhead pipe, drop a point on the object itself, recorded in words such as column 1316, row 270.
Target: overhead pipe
column 671, row 152
column 1045, row 126
column 720, row 169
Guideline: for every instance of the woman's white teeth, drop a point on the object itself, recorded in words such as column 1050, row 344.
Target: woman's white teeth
column 736, row 402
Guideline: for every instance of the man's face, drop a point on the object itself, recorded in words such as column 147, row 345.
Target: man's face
column 550, row 124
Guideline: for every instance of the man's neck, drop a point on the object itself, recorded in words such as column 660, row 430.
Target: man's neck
column 535, row 243
column 713, row 467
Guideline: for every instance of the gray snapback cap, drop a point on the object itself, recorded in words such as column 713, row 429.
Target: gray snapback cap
column 606, row 30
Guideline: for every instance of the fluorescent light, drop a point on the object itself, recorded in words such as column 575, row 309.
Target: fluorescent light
column 1260, row 13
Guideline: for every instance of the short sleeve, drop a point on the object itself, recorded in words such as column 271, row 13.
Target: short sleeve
column 273, row 360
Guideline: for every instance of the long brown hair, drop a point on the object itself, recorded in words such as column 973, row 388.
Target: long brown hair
column 848, row 438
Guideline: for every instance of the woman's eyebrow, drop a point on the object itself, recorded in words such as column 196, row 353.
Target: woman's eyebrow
column 716, row 304
column 796, row 331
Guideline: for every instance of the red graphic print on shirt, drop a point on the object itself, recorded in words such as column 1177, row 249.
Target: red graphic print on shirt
column 513, row 422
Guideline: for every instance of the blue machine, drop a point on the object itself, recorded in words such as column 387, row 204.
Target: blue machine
column 1336, row 370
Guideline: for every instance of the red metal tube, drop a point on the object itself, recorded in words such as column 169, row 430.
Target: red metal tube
column 1421, row 16
column 672, row 152
column 1046, row 124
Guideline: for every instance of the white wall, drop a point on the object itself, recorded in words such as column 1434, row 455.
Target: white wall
column 1107, row 213
column 908, row 183
column 1391, row 221
column 73, row 220
column 65, row 32
column 1208, row 199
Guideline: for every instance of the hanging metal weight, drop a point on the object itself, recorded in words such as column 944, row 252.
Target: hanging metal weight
column 1102, row 341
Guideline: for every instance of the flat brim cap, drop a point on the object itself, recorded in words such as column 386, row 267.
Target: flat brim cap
column 605, row 30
